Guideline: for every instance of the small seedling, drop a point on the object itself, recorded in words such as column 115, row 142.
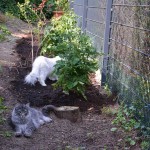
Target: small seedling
column 2, row 108
column 110, row 110
column 6, row 134
column 113, row 129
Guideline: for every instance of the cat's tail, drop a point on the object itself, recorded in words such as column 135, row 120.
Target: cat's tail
column 30, row 79
column 48, row 108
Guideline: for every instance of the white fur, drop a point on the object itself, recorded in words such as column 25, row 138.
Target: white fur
column 41, row 69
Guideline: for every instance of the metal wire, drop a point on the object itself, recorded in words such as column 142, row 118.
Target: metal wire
column 94, row 34
column 121, row 24
column 94, row 21
column 139, row 51
column 127, row 5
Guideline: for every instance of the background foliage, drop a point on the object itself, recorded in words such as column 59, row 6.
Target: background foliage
column 11, row 6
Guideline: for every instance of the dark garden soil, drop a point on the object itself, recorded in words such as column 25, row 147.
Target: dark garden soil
column 92, row 133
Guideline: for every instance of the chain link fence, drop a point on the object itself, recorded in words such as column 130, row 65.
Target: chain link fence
column 121, row 30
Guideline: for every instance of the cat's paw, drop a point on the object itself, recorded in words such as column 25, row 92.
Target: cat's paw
column 18, row 134
column 47, row 119
column 27, row 135
column 41, row 122
column 43, row 84
column 53, row 78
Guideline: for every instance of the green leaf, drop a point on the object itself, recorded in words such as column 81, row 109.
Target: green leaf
column 81, row 83
column 132, row 142
column 113, row 129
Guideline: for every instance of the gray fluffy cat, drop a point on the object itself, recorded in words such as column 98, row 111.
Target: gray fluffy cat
column 26, row 119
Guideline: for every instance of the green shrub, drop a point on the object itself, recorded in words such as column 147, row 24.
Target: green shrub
column 65, row 39
column 9, row 6
column 62, row 5
column 48, row 8
column 27, row 13
column 12, row 7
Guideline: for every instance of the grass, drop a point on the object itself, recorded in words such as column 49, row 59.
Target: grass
column 3, row 32
column 2, row 109
column 2, row 119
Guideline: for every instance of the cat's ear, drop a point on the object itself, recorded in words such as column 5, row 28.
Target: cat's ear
column 28, row 104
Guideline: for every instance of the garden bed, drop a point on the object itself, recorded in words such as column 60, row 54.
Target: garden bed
column 92, row 133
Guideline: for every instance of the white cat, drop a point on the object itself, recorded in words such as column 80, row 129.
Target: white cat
column 42, row 68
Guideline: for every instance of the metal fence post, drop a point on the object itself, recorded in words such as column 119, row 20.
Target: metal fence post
column 71, row 3
column 84, row 18
column 106, row 40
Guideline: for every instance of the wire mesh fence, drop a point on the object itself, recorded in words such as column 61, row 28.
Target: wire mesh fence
column 121, row 29
column 129, row 55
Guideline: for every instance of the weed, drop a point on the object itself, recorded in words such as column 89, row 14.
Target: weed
column 2, row 109
column 6, row 134
column 110, row 110
column 2, row 119
column 126, row 123
column 145, row 145
column 2, row 18
column 4, row 32
column 1, row 69
column 107, row 89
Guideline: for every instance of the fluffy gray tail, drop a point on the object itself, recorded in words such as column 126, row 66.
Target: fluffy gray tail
column 47, row 109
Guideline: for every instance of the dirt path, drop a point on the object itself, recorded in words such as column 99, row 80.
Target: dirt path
column 18, row 30
column 92, row 133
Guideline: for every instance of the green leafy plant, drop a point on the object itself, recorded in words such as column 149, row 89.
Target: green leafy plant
column 107, row 89
column 6, row 134
column 145, row 145
column 62, row 5
column 27, row 12
column 9, row 6
column 109, row 110
column 126, row 122
column 65, row 39
column 2, row 37
column 2, row 119
column 4, row 32
column 2, row 109
column 4, row 29
column 126, row 119
column 48, row 6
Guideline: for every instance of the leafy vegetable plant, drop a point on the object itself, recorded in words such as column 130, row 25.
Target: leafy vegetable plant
column 65, row 39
